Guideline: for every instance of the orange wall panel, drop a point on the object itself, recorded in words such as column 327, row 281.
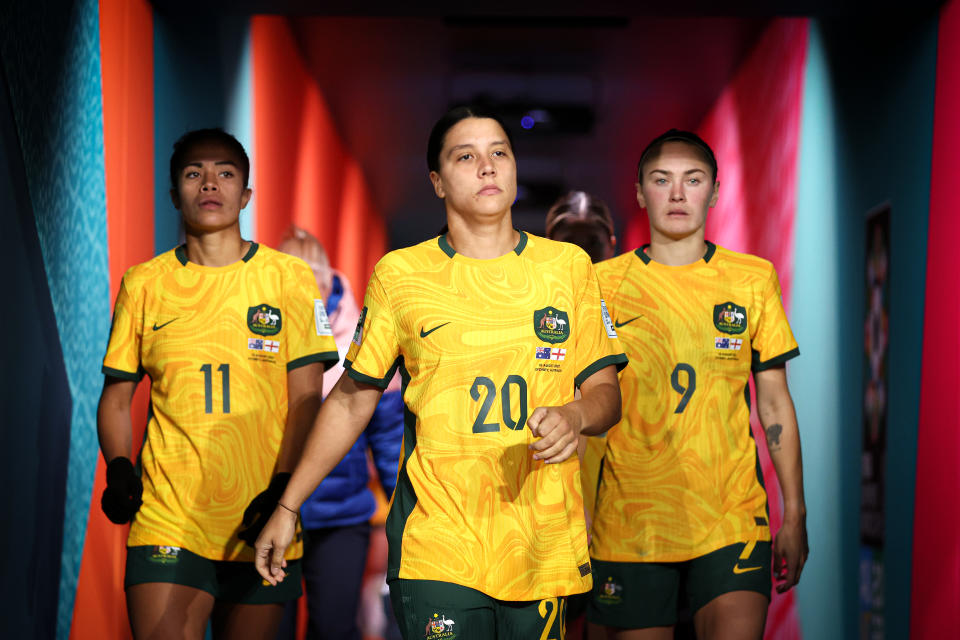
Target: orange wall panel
column 126, row 53
column 304, row 173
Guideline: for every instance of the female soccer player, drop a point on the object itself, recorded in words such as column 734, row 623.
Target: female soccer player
column 492, row 329
column 234, row 338
column 681, row 504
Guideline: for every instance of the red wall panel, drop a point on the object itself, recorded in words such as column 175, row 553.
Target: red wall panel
column 935, row 602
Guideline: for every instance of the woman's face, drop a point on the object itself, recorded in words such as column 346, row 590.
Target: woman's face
column 677, row 190
column 478, row 173
column 210, row 191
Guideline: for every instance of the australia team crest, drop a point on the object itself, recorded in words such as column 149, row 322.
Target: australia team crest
column 440, row 626
column 164, row 554
column 612, row 592
column 730, row 317
column 264, row 320
column 551, row 325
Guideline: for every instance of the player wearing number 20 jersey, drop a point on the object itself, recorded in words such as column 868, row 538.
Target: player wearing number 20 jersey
column 480, row 344
column 681, row 477
column 217, row 343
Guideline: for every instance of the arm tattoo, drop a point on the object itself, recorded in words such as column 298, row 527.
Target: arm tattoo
column 773, row 436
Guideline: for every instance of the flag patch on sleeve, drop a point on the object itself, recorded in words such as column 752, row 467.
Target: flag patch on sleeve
column 727, row 344
column 259, row 344
column 550, row 353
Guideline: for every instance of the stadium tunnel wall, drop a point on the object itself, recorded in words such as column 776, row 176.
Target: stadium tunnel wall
column 867, row 136
column 51, row 59
column 36, row 409
column 936, row 546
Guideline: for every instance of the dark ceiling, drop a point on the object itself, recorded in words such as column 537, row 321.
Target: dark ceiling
column 499, row 9
column 622, row 73
column 387, row 80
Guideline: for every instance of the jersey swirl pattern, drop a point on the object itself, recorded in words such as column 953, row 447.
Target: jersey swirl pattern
column 681, row 477
column 217, row 344
column 480, row 344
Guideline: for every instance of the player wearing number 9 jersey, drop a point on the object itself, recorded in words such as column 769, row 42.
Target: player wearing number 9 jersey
column 492, row 330
column 684, row 446
column 681, row 506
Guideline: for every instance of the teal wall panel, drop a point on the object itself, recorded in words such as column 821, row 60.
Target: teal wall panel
column 239, row 117
column 886, row 89
column 201, row 79
column 819, row 378
column 867, row 140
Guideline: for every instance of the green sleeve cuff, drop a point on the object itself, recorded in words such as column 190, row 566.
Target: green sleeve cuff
column 122, row 375
column 328, row 358
column 618, row 359
column 772, row 362
column 380, row 383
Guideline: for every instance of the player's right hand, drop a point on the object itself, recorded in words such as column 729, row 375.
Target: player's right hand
column 557, row 430
column 272, row 544
column 123, row 496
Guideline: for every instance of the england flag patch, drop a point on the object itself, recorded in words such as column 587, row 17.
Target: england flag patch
column 259, row 344
column 727, row 344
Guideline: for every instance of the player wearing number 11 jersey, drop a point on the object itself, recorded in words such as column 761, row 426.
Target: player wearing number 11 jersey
column 217, row 343
column 234, row 339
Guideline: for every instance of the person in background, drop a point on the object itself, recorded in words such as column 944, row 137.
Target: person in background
column 336, row 517
column 681, row 510
column 584, row 220
column 235, row 339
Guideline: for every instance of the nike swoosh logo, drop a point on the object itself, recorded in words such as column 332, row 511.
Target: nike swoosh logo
column 424, row 334
column 737, row 569
column 157, row 327
column 620, row 324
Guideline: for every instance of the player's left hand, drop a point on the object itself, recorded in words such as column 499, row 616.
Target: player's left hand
column 558, row 429
column 261, row 508
column 790, row 553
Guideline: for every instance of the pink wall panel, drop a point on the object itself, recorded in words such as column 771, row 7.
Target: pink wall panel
column 935, row 601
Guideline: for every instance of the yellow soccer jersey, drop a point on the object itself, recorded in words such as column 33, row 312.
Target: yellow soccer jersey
column 590, row 471
column 217, row 343
column 480, row 344
column 681, row 477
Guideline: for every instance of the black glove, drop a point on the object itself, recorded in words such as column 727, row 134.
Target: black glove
column 261, row 508
column 122, row 497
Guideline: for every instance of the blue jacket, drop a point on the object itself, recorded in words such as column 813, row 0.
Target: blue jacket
column 344, row 497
